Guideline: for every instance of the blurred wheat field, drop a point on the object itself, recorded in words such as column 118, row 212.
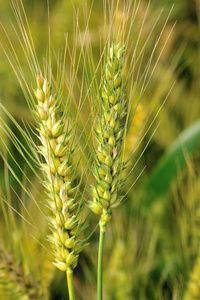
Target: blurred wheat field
column 152, row 246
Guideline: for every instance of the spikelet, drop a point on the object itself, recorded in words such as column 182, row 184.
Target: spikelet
column 14, row 282
column 193, row 288
column 62, row 193
column 109, row 135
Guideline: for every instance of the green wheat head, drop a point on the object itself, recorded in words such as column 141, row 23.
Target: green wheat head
column 14, row 281
column 110, row 131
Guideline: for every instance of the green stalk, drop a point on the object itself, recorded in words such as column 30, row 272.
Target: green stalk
column 100, row 263
column 70, row 284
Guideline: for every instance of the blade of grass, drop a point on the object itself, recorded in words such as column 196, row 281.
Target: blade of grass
column 173, row 161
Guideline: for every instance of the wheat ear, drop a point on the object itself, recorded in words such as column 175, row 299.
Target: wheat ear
column 13, row 280
column 63, row 193
column 110, row 132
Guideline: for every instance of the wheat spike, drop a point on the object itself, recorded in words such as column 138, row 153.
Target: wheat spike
column 13, row 280
column 109, row 134
column 62, row 192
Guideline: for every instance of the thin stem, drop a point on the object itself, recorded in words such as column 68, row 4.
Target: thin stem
column 70, row 284
column 100, row 264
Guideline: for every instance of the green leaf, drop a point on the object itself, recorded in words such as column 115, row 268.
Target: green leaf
column 173, row 161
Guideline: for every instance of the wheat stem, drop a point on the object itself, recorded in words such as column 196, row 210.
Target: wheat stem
column 100, row 264
column 70, row 283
